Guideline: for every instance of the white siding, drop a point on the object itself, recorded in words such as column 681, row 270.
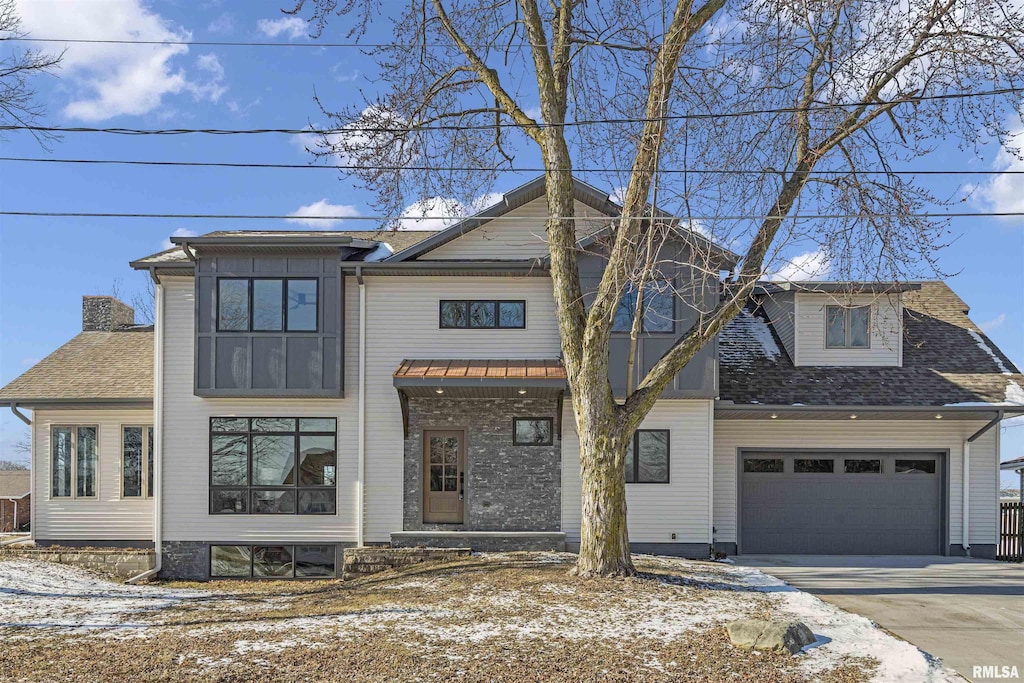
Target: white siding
column 519, row 234
column 402, row 323
column 731, row 435
column 108, row 516
column 886, row 331
column 655, row 511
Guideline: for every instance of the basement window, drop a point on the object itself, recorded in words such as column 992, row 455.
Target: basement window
column 273, row 561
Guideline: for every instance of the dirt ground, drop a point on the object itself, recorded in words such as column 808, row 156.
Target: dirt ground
column 499, row 617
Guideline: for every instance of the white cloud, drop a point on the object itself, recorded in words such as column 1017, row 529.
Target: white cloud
column 225, row 23
column 290, row 27
column 305, row 214
column 618, row 194
column 435, row 213
column 1003, row 192
column 811, row 265
column 106, row 80
column 180, row 232
column 992, row 324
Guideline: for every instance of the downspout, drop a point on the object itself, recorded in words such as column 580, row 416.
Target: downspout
column 20, row 415
column 361, row 427
column 711, row 476
column 158, row 435
column 966, row 484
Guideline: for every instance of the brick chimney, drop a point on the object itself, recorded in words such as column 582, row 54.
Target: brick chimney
column 105, row 314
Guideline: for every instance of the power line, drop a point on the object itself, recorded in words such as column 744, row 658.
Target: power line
column 465, row 127
column 380, row 219
column 538, row 169
column 233, row 43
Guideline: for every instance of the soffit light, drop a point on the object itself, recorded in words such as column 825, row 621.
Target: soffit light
column 938, row 416
column 439, row 390
column 853, row 417
column 774, row 416
column 522, row 391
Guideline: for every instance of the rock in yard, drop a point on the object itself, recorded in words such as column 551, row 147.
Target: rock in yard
column 774, row 636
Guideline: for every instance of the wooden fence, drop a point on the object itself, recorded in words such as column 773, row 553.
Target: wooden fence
column 1011, row 532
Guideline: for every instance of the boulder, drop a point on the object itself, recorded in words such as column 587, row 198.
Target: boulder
column 772, row 636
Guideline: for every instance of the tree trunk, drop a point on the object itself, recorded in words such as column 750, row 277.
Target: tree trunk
column 604, row 538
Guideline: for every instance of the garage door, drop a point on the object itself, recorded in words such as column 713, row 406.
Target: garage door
column 841, row 503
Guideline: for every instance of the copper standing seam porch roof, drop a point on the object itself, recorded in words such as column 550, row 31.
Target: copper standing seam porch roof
column 481, row 369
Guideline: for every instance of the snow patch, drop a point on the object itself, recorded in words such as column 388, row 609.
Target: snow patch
column 1014, row 393
column 746, row 338
column 987, row 349
column 383, row 251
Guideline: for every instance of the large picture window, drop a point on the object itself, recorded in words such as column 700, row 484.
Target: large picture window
column 847, row 328
column 482, row 315
column 73, row 462
column 647, row 457
column 267, row 304
column 273, row 465
column 658, row 308
column 137, row 462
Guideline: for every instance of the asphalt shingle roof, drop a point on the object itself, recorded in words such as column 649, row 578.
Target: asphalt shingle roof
column 947, row 360
column 15, row 483
column 92, row 366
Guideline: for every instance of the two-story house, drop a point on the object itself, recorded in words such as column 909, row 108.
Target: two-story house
column 301, row 392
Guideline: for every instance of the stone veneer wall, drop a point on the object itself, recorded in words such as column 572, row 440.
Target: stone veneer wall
column 122, row 562
column 508, row 488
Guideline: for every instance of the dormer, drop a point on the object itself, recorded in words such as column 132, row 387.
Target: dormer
column 838, row 324
column 270, row 313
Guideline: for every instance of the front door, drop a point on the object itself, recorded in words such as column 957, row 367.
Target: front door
column 443, row 481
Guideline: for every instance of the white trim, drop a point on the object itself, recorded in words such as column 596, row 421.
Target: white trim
column 965, row 498
column 146, row 493
column 361, row 419
column 711, row 473
column 74, row 427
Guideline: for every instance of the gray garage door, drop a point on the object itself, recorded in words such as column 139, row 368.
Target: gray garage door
column 841, row 503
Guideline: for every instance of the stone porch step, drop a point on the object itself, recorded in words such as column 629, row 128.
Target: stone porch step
column 485, row 541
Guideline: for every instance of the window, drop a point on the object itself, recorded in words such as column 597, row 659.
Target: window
column 273, row 561
column 483, row 315
column 761, row 465
column 73, row 462
column 532, row 431
column 647, row 457
column 267, row 304
column 658, row 308
column 847, row 328
column 273, row 465
column 915, row 467
column 862, row 466
column 813, row 465
column 137, row 462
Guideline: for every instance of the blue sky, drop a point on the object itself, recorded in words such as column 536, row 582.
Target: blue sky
column 46, row 265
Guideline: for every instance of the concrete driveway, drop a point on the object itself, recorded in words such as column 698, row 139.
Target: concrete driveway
column 966, row 612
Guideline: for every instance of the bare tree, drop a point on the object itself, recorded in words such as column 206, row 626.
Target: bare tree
column 141, row 299
column 806, row 105
column 18, row 67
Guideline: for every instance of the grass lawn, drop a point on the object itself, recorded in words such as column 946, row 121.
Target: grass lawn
column 508, row 617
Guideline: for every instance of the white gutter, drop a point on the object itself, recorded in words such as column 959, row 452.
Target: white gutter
column 158, row 434
column 361, row 427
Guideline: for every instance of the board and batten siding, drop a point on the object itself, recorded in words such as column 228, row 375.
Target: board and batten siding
column 186, row 447
column 732, row 435
column 108, row 516
column 655, row 511
column 402, row 322
column 886, row 326
column 519, row 234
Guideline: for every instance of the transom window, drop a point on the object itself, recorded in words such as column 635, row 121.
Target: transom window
column 847, row 328
column 273, row 561
column 273, row 465
column 483, row 315
column 658, row 308
column 267, row 304
column 137, row 462
column 532, row 431
column 73, row 462
column 647, row 457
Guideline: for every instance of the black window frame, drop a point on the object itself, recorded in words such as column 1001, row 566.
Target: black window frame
column 670, row 284
column 250, row 326
column 636, row 457
column 296, row 488
column 293, row 550
column 847, row 333
column 551, row 431
column 468, row 303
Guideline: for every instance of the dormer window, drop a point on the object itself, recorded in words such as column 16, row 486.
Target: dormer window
column 267, row 305
column 847, row 327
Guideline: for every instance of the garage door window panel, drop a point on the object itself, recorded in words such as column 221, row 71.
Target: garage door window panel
column 814, row 465
column 915, row 467
column 858, row 466
column 764, row 465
